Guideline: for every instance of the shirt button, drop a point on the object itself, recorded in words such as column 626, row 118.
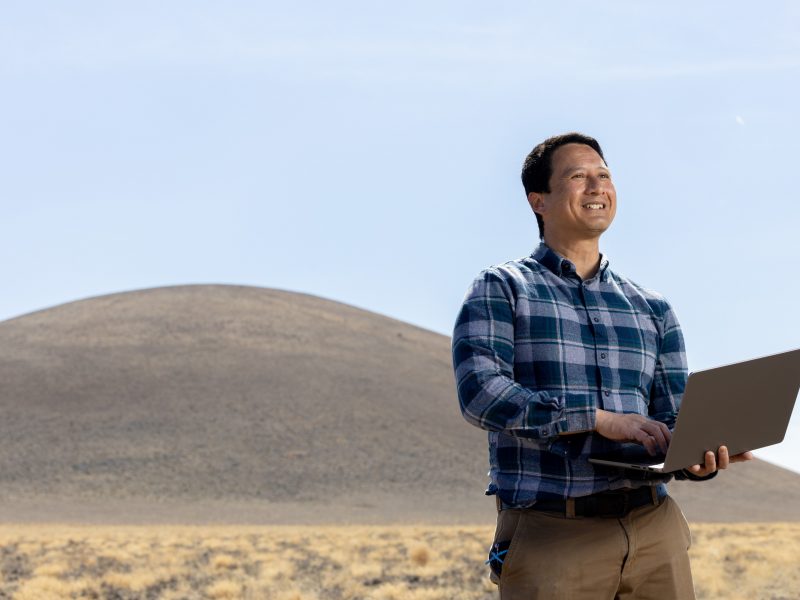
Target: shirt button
column 596, row 319
column 607, row 392
column 602, row 355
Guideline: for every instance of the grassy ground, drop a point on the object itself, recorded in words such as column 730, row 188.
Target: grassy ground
column 40, row 562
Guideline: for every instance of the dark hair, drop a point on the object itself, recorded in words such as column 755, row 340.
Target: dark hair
column 537, row 168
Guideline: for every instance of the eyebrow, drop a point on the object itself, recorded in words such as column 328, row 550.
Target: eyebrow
column 570, row 170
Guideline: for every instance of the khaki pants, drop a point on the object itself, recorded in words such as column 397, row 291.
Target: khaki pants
column 643, row 555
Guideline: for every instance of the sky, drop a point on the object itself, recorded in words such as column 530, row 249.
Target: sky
column 369, row 152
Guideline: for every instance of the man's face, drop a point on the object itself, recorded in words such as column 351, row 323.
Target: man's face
column 582, row 200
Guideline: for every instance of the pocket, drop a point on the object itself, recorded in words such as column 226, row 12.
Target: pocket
column 508, row 526
column 687, row 530
column 498, row 554
column 687, row 533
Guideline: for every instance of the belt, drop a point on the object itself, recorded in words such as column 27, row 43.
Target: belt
column 615, row 503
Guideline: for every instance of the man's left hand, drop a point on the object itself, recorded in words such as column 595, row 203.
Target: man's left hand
column 721, row 461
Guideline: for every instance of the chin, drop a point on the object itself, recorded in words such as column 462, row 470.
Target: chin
column 597, row 230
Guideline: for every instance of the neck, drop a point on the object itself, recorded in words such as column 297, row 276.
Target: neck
column 583, row 253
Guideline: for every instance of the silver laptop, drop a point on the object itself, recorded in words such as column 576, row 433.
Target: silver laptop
column 744, row 406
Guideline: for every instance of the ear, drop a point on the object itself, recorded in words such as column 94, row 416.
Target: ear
column 536, row 200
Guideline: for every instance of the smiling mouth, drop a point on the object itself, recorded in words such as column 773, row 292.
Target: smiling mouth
column 594, row 205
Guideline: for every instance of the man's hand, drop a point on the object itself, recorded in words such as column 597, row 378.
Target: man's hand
column 653, row 435
column 712, row 463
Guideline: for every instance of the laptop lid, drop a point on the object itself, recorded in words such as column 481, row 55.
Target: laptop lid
column 744, row 406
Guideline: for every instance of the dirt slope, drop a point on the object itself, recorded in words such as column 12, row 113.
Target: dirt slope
column 230, row 403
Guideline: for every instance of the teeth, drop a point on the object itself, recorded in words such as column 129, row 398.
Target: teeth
column 593, row 206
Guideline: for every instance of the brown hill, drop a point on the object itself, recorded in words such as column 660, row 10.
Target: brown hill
column 228, row 403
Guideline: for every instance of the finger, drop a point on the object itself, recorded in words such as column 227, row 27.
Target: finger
column 744, row 456
column 658, row 435
column 651, row 444
column 711, row 462
column 654, row 431
column 724, row 459
column 653, row 438
column 667, row 432
column 647, row 441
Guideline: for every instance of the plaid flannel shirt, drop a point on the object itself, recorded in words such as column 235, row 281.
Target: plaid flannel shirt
column 536, row 350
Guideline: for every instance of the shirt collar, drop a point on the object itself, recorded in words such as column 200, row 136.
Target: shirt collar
column 562, row 267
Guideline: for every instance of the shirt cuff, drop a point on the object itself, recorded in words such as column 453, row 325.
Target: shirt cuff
column 579, row 414
column 685, row 474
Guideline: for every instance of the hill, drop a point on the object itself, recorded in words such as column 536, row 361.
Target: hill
column 241, row 404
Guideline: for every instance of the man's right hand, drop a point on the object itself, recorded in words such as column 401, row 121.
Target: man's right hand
column 653, row 435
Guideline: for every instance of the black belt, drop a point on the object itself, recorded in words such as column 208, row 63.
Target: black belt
column 615, row 503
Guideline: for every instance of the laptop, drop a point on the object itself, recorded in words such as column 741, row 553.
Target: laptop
column 744, row 406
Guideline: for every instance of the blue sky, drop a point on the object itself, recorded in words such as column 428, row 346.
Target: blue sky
column 369, row 152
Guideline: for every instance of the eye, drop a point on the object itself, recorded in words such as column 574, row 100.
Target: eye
column 605, row 175
column 578, row 176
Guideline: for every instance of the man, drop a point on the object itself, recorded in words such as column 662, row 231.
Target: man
column 561, row 358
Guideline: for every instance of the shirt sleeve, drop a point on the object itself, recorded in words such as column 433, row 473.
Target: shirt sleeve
column 483, row 359
column 671, row 372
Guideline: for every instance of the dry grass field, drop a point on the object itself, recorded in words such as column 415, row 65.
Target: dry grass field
column 39, row 562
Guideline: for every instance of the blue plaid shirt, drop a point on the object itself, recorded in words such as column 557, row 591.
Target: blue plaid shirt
column 536, row 350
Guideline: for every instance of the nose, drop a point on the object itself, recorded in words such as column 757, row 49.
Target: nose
column 593, row 185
